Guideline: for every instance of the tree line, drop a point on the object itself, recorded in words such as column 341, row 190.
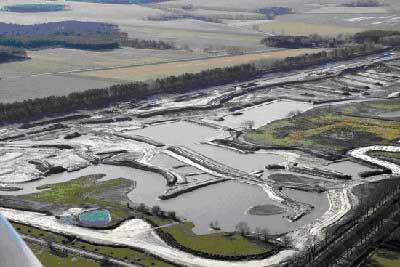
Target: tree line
column 364, row 3
column 272, row 12
column 32, row 8
column 316, row 41
column 97, row 98
column 121, row 1
column 295, row 42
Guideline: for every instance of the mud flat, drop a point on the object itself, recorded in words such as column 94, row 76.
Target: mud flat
column 125, row 160
column 349, row 167
column 265, row 210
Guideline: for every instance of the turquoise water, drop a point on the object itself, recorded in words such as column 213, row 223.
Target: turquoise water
column 99, row 217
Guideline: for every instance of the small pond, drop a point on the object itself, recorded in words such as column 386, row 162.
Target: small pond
column 98, row 217
column 180, row 133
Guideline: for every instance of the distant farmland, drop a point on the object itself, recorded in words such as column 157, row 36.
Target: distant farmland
column 140, row 73
column 299, row 28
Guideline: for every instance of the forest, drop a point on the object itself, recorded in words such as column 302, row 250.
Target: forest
column 97, row 98
column 272, row 12
column 295, row 42
column 33, row 8
column 120, row 1
column 72, row 34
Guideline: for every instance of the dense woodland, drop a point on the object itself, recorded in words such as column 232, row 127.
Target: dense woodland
column 144, row 44
column 33, row 8
column 120, row 1
column 390, row 38
column 272, row 12
column 72, row 34
column 295, row 42
column 97, row 98
column 168, row 17
column 375, row 36
column 364, row 3
column 85, row 41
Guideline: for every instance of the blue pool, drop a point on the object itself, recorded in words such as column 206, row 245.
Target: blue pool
column 99, row 217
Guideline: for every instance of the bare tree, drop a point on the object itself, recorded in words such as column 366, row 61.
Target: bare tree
column 248, row 125
column 265, row 234
column 294, row 113
column 257, row 231
column 243, row 228
column 155, row 210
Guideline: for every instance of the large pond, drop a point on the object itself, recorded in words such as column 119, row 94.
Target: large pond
column 265, row 113
column 191, row 135
column 180, row 133
column 226, row 202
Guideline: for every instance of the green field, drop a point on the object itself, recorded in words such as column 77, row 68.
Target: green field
column 371, row 108
column 51, row 260
column 217, row 243
column 125, row 254
column 384, row 258
column 88, row 190
column 330, row 130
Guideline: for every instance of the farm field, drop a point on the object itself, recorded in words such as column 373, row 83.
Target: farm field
column 362, row 21
column 348, row 10
column 45, row 85
column 176, row 68
column 46, row 68
column 299, row 28
column 62, row 61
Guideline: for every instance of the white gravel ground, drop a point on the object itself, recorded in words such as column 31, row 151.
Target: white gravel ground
column 361, row 153
column 133, row 233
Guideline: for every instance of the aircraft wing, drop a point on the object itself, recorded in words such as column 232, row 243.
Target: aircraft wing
column 13, row 250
